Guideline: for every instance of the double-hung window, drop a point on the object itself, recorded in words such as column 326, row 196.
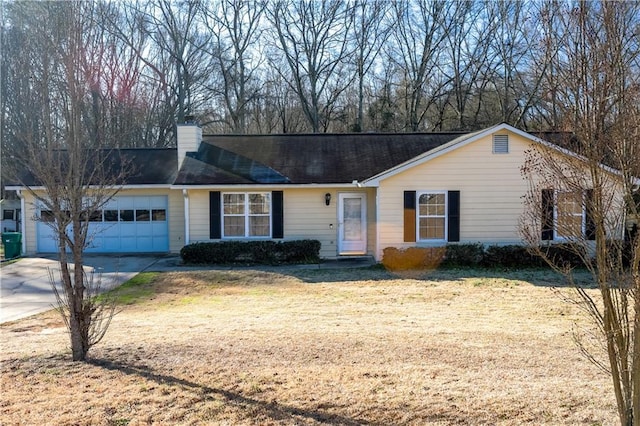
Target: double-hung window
column 246, row 215
column 565, row 215
column 569, row 215
column 432, row 216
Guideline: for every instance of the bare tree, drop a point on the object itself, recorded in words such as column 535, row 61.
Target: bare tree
column 418, row 38
column 313, row 39
column 371, row 30
column 177, row 51
column 466, row 60
column 62, row 167
column 582, row 199
column 235, row 29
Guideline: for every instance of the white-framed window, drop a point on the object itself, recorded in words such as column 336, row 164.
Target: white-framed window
column 569, row 215
column 432, row 216
column 246, row 214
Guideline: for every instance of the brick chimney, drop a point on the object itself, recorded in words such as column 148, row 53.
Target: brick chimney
column 189, row 137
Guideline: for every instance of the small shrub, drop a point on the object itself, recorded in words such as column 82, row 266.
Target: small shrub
column 510, row 256
column 412, row 258
column 463, row 255
column 567, row 255
column 252, row 252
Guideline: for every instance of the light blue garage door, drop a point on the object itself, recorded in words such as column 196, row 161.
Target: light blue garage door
column 127, row 224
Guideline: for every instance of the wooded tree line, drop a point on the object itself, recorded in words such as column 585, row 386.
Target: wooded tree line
column 290, row 66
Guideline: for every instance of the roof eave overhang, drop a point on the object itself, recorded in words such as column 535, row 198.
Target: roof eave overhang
column 121, row 187
column 269, row 185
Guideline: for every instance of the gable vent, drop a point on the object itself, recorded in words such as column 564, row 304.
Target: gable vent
column 500, row 144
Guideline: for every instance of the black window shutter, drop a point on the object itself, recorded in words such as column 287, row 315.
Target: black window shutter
column 547, row 214
column 589, row 225
column 409, row 216
column 453, row 215
column 215, row 230
column 277, row 215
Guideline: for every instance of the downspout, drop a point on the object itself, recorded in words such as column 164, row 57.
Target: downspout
column 23, row 223
column 185, row 194
column 377, row 256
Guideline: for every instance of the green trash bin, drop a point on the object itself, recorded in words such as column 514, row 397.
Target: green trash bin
column 12, row 242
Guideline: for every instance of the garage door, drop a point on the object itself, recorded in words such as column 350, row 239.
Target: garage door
column 127, row 224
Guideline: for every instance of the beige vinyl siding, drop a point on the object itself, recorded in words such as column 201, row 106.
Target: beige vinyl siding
column 306, row 216
column 372, row 227
column 175, row 215
column 198, row 215
column 30, row 241
column 490, row 185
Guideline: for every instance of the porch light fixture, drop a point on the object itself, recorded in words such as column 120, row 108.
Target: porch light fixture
column 327, row 198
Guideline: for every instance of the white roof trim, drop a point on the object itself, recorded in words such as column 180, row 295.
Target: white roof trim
column 123, row 187
column 267, row 185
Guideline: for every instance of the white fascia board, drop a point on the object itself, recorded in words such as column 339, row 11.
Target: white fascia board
column 441, row 150
column 120, row 188
column 266, row 185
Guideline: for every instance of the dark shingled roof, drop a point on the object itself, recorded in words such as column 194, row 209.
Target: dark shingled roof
column 284, row 159
column 566, row 140
column 151, row 165
column 143, row 166
column 303, row 158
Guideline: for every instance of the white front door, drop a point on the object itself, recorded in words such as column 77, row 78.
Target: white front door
column 352, row 223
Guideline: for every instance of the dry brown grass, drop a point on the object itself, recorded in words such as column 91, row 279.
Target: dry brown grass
column 314, row 347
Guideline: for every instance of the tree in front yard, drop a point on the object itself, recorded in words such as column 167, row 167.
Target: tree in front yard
column 70, row 174
column 582, row 201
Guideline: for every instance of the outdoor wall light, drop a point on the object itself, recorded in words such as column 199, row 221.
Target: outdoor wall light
column 327, row 198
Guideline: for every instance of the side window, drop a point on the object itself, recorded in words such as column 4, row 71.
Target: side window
column 569, row 215
column 432, row 209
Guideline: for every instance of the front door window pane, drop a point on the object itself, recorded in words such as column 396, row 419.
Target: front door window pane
column 352, row 219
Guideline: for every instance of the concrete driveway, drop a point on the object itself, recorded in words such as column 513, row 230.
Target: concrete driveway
column 25, row 288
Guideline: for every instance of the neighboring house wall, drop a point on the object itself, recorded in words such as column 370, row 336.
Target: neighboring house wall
column 306, row 216
column 490, row 185
column 9, row 216
column 175, row 216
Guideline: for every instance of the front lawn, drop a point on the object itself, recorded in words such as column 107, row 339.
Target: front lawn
column 314, row 347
